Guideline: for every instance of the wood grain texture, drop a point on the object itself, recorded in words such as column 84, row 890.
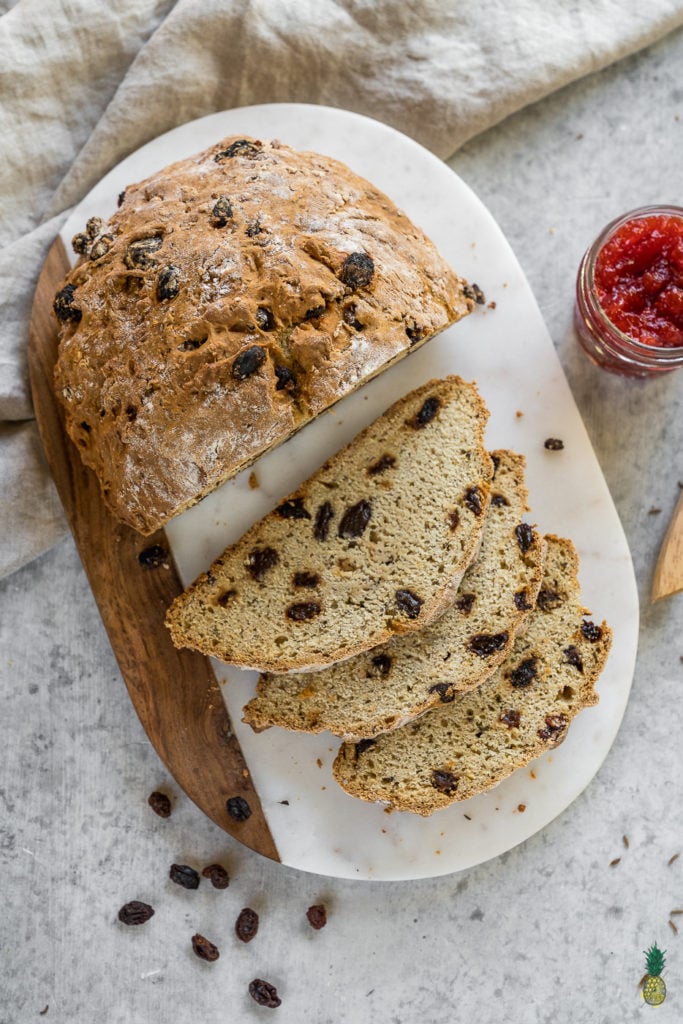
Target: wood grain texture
column 668, row 577
column 174, row 692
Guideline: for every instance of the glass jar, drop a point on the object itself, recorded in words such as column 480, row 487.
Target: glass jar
column 602, row 341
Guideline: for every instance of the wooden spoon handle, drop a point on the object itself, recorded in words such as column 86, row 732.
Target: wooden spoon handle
column 668, row 578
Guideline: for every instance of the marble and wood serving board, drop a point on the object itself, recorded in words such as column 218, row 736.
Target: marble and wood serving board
column 191, row 706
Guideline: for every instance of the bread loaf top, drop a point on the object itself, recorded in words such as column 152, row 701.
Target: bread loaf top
column 232, row 297
column 375, row 543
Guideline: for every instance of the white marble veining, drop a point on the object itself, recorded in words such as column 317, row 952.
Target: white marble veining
column 546, row 932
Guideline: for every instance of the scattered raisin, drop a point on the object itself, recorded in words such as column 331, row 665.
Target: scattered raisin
column 408, row 603
column 553, row 444
column 101, row 247
column 153, row 557
column 286, row 381
column 446, row 695
column 525, row 536
column 260, row 561
column 323, row 516
column 464, row 603
column 548, row 600
column 511, row 718
column 80, row 243
column 382, row 663
column 524, row 674
column 246, row 924
column 357, row 270
column 139, row 253
column 317, row 916
column 265, row 319
column 554, row 725
column 522, row 601
column 454, row 519
column 414, row 333
column 445, row 782
column 183, row 874
column 238, row 808
column 220, row 879
column 573, row 658
column 591, row 631
column 168, row 283
column 241, row 147
column 64, row 307
column 224, row 599
column 204, row 949
column 498, row 501
column 314, row 313
column 135, row 912
column 293, row 508
column 426, row 413
column 473, row 291
column 303, row 610
column 473, row 500
column 221, row 213
column 355, row 520
column 160, row 804
column 364, row 745
column 248, row 362
column 382, row 464
column 264, row 993
column 306, row 579
column 486, row 644
column 192, row 344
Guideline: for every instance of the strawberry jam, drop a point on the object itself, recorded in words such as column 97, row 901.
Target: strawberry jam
column 639, row 279
column 629, row 300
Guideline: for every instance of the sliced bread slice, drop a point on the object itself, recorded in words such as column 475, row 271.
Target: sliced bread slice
column 523, row 710
column 373, row 544
column 387, row 686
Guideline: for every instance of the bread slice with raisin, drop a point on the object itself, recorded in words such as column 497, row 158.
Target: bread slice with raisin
column 524, row 709
column 375, row 543
column 387, row 686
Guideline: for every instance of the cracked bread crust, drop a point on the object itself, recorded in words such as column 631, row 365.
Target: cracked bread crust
column 375, row 543
column 233, row 297
column 523, row 710
column 389, row 685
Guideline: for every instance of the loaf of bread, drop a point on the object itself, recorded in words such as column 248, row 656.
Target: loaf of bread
column 393, row 683
column 480, row 738
column 375, row 543
column 233, row 297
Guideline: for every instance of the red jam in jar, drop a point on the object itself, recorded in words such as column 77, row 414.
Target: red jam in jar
column 629, row 309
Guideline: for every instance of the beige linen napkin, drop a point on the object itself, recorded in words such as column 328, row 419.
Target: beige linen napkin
column 83, row 83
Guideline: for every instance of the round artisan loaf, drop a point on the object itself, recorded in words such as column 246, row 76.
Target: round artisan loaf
column 523, row 710
column 387, row 686
column 231, row 298
column 373, row 544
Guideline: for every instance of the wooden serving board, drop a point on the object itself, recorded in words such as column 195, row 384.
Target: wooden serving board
column 175, row 693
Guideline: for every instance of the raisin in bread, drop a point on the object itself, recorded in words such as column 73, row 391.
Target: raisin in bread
column 374, row 543
column 233, row 297
column 383, row 688
column 523, row 710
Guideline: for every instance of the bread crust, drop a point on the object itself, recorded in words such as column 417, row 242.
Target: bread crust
column 232, row 298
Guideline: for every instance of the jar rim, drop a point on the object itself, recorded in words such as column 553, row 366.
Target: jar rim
column 662, row 353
